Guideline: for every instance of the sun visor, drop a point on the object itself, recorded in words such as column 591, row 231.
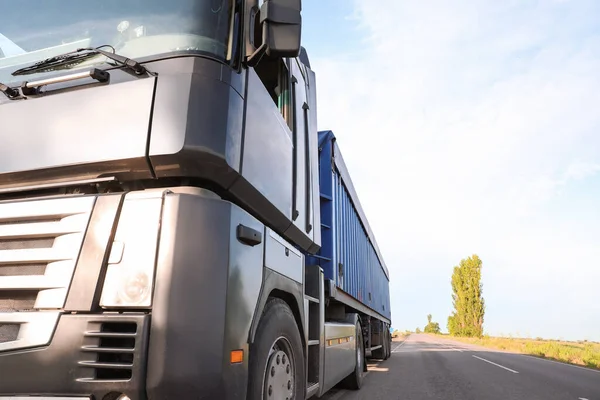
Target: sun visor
column 84, row 133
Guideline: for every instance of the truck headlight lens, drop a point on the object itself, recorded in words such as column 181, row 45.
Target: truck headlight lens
column 135, row 288
column 130, row 275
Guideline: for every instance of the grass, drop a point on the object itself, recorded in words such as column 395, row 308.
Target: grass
column 582, row 353
column 400, row 335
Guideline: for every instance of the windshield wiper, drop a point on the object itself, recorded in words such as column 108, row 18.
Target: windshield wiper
column 8, row 91
column 67, row 60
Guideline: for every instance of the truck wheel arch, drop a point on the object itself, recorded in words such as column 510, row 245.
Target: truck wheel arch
column 278, row 286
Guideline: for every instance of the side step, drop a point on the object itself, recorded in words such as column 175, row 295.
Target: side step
column 314, row 310
column 312, row 389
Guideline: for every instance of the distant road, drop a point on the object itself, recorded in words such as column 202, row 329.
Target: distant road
column 425, row 367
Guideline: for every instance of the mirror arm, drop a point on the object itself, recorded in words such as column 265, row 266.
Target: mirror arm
column 255, row 58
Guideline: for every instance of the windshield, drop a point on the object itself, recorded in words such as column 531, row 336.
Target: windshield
column 32, row 30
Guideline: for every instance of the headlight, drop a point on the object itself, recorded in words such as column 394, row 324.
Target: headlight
column 130, row 274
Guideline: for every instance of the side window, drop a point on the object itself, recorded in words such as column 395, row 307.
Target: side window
column 275, row 75
column 286, row 96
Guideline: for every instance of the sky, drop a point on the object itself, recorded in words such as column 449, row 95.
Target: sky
column 471, row 127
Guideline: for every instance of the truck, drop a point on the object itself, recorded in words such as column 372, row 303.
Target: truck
column 172, row 223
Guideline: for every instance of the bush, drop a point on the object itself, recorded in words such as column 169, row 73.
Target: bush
column 432, row 327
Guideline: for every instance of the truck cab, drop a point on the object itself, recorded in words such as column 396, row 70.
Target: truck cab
column 160, row 207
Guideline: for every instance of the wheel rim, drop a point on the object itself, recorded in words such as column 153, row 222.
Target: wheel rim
column 279, row 372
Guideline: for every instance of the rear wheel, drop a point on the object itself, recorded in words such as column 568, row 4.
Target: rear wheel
column 381, row 352
column 276, row 368
column 388, row 341
column 355, row 379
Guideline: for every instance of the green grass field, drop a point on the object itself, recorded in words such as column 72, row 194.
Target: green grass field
column 579, row 353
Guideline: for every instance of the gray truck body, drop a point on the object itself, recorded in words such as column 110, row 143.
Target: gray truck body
column 193, row 170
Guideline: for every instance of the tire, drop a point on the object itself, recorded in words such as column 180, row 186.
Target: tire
column 355, row 379
column 388, row 344
column 381, row 352
column 276, row 363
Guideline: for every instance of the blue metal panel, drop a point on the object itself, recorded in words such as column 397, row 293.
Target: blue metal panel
column 347, row 244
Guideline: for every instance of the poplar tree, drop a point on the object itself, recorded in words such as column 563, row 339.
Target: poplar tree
column 467, row 299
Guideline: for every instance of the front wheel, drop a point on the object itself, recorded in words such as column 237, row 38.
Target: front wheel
column 276, row 368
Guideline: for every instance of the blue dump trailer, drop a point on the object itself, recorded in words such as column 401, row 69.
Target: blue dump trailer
column 355, row 273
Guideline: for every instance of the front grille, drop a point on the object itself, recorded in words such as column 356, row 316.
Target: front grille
column 24, row 270
column 18, row 244
column 24, row 244
column 40, row 241
column 17, row 301
column 9, row 333
column 39, row 244
column 109, row 351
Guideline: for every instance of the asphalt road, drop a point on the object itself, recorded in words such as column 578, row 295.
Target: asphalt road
column 425, row 367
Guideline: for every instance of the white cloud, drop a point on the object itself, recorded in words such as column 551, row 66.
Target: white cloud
column 460, row 123
column 581, row 170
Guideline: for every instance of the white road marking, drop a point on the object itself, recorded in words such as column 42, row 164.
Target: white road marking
column 497, row 365
column 397, row 347
column 582, row 398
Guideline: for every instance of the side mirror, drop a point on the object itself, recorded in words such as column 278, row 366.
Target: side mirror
column 281, row 22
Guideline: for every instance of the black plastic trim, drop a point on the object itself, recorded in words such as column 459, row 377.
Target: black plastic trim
column 276, row 283
column 60, row 368
column 249, row 236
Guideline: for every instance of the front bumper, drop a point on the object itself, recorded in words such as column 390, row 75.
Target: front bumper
column 206, row 291
column 89, row 355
